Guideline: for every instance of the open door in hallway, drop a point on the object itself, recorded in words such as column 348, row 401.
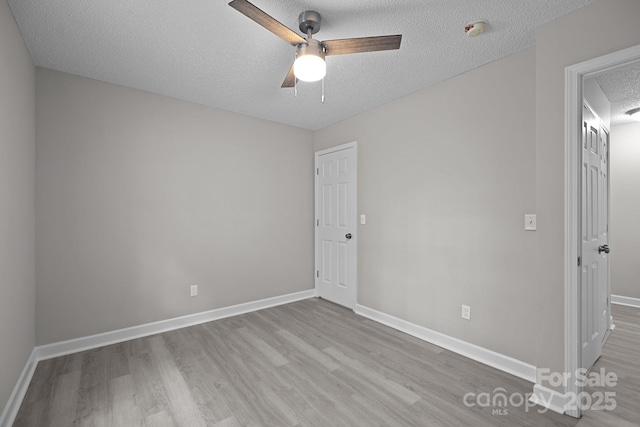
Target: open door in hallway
column 594, row 269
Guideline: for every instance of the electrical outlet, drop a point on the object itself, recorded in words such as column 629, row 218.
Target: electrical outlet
column 466, row 312
column 194, row 290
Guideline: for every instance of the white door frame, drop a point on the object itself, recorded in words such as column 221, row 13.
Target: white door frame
column 573, row 99
column 316, row 193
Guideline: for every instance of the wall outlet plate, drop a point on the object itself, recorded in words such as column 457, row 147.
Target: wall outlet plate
column 194, row 290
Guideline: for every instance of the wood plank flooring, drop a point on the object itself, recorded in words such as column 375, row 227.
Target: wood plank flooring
column 309, row 363
column 621, row 355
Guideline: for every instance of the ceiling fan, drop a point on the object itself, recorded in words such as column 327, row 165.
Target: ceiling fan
column 310, row 63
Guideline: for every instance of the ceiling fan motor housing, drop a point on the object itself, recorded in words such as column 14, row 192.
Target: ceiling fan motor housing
column 311, row 47
column 309, row 20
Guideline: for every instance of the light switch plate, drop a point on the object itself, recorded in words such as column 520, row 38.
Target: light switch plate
column 530, row 222
column 466, row 312
column 363, row 219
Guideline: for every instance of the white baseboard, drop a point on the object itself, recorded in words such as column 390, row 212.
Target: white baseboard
column 620, row 300
column 472, row 351
column 11, row 409
column 62, row 348
column 548, row 398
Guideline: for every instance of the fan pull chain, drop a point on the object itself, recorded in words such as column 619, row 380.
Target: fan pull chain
column 295, row 79
column 323, row 90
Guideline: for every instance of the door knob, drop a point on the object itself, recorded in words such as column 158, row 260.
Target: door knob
column 603, row 248
column 348, row 236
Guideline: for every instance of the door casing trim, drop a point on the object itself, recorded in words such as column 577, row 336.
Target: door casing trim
column 574, row 77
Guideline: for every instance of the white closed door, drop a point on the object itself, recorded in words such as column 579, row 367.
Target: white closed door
column 336, row 229
column 594, row 277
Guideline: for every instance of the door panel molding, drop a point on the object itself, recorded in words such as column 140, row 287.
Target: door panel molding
column 594, row 283
column 344, row 280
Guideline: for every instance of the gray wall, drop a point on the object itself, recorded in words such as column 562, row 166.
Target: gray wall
column 445, row 177
column 17, row 142
column 140, row 196
column 625, row 210
column 592, row 31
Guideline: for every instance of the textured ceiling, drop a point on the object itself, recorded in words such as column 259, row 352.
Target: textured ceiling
column 206, row 52
column 622, row 87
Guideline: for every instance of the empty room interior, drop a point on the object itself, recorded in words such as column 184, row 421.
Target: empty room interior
column 435, row 224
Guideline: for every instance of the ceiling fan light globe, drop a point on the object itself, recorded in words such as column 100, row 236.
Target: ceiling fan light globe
column 309, row 68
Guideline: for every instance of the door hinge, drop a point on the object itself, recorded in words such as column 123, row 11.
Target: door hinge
column 317, row 223
column 317, row 171
column 317, row 273
column 579, row 262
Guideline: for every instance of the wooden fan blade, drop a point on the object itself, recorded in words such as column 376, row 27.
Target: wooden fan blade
column 290, row 80
column 257, row 15
column 362, row 44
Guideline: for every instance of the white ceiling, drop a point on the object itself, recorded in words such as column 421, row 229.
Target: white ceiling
column 622, row 87
column 206, row 52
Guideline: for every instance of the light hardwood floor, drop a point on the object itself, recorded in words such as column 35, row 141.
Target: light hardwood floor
column 306, row 363
column 621, row 355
